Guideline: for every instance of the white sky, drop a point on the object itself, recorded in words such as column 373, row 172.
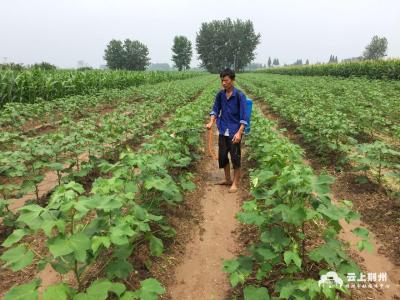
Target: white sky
column 65, row 31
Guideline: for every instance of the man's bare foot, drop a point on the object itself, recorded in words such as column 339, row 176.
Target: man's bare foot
column 225, row 182
column 233, row 189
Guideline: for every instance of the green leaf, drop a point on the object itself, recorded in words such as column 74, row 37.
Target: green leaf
column 129, row 295
column 119, row 268
column 188, row 185
column 29, row 215
column 17, row 258
column 60, row 266
column 266, row 253
column 140, row 212
column 252, row 218
column 294, row 215
column 321, row 184
column 364, row 244
column 265, row 267
column 150, row 289
column 277, row 237
column 24, row 291
column 156, row 246
column 98, row 241
column 48, row 225
column 120, row 234
column 59, row 247
column 16, row 236
column 235, row 278
column 287, row 291
column 131, row 187
column 123, row 251
column 361, row 232
column 60, row 291
column 117, row 288
column 333, row 212
column 99, row 290
column 80, row 242
column 255, row 293
column 108, row 203
column 75, row 186
column 331, row 252
column 56, row 166
column 230, row 265
column 290, row 256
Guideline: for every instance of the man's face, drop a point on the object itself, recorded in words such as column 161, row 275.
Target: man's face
column 227, row 82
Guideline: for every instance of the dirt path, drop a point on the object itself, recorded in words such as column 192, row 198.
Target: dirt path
column 373, row 261
column 200, row 275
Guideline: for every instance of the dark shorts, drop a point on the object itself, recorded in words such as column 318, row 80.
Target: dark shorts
column 225, row 145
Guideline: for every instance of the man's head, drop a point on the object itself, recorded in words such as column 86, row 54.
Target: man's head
column 227, row 78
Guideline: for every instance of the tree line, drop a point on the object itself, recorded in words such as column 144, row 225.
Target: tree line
column 376, row 49
column 219, row 44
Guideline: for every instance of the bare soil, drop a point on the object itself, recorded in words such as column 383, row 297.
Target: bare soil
column 199, row 274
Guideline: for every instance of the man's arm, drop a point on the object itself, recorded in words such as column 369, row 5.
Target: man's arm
column 215, row 112
column 242, row 116
column 211, row 123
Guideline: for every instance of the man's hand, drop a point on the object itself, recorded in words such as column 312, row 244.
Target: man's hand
column 237, row 137
column 210, row 124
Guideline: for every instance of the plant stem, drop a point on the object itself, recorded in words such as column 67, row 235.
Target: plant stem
column 78, row 279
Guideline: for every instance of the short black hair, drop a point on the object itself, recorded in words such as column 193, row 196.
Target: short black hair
column 227, row 72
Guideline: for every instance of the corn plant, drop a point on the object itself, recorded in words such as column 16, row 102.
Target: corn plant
column 373, row 69
column 29, row 86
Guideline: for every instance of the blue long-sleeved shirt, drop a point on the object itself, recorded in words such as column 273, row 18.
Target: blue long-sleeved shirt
column 230, row 113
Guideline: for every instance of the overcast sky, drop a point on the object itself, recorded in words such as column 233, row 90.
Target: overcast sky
column 65, row 31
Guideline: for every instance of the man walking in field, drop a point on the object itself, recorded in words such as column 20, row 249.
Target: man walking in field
column 229, row 111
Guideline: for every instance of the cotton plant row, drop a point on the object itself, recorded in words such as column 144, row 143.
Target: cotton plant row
column 123, row 209
column 296, row 223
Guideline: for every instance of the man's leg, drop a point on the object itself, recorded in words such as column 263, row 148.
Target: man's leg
column 223, row 160
column 227, row 170
column 236, row 157
column 236, row 178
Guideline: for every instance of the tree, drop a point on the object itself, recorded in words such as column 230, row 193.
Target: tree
column 44, row 66
column 269, row 62
column 159, row 67
column 307, row 62
column 114, row 55
column 376, row 49
column 136, row 55
column 12, row 66
column 333, row 59
column 226, row 43
column 130, row 55
column 182, row 50
column 275, row 62
column 298, row 62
